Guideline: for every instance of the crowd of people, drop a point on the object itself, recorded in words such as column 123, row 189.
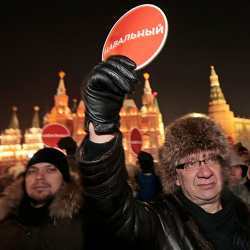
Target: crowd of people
column 82, row 197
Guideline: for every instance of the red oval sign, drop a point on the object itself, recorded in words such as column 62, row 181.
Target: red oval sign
column 52, row 133
column 139, row 34
column 136, row 140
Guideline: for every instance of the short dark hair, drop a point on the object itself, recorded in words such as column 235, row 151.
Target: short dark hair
column 146, row 161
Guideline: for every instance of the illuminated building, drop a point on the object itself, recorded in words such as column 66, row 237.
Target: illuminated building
column 33, row 136
column 237, row 129
column 16, row 148
column 147, row 119
column 12, row 150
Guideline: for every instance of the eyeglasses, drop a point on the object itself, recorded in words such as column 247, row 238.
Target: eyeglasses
column 214, row 159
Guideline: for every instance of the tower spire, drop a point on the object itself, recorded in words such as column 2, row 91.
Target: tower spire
column 35, row 119
column 147, row 87
column 60, row 110
column 147, row 98
column 218, row 109
column 14, row 122
column 80, row 110
column 61, row 90
column 216, row 95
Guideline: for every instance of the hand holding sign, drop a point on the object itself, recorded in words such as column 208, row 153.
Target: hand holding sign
column 140, row 35
column 106, row 87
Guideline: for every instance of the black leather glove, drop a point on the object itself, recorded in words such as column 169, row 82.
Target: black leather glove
column 103, row 95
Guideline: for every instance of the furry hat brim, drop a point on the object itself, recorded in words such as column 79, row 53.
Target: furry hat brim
column 187, row 135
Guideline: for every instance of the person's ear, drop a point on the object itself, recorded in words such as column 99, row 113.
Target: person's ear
column 177, row 180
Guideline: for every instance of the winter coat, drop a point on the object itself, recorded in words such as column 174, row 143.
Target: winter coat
column 162, row 225
column 58, row 227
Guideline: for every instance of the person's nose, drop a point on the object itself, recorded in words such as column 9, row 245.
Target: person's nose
column 204, row 171
column 40, row 175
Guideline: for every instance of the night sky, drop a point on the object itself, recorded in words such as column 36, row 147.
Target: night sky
column 38, row 41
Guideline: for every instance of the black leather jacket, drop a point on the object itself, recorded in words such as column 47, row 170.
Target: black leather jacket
column 162, row 225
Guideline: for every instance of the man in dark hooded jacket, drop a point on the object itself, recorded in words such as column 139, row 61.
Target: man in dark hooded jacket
column 197, row 210
column 42, row 209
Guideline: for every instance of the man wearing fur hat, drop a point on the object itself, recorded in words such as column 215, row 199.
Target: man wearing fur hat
column 197, row 210
column 42, row 208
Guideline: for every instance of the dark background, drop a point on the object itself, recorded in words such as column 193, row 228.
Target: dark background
column 39, row 40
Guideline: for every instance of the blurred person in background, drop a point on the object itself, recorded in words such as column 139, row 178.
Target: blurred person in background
column 148, row 183
column 69, row 146
column 238, row 177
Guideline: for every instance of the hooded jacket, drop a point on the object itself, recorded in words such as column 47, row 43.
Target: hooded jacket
column 59, row 225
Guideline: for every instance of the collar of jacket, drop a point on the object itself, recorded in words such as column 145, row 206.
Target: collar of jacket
column 67, row 202
column 185, row 222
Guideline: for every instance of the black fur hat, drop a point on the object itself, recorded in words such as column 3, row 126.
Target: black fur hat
column 53, row 156
column 189, row 134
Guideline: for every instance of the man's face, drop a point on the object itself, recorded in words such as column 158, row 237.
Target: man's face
column 235, row 175
column 42, row 181
column 201, row 178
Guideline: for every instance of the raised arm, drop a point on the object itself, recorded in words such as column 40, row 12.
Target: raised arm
column 102, row 156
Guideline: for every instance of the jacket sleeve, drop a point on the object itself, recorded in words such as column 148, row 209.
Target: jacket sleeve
column 108, row 193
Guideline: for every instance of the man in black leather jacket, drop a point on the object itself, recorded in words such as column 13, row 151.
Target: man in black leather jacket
column 196, row 212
